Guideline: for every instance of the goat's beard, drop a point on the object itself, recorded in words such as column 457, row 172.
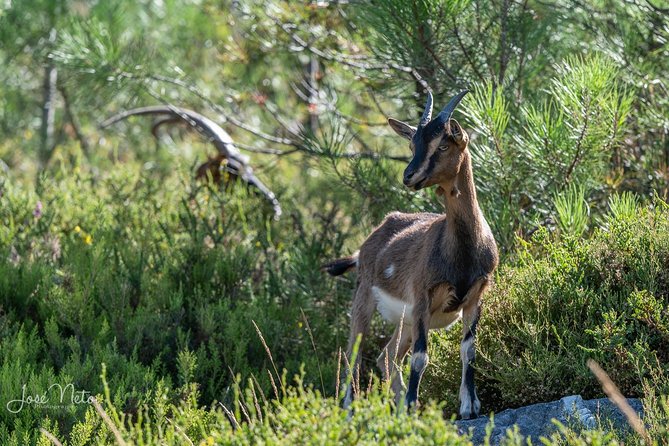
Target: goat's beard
column 441, row 192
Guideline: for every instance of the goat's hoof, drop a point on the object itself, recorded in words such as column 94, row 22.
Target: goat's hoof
column 411, row 404
column 470, row 408
column 469, row 415
column 469, row 412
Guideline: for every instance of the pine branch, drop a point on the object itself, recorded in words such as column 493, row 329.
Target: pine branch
column 579, row 143
column 333, row 57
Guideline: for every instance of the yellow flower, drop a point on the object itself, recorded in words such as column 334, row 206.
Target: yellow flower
column 77, row 229
column 88, row 239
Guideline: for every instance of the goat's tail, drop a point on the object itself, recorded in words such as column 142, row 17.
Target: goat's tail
column 341, row 266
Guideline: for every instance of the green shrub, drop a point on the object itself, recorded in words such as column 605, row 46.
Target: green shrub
column 526, row 154
column 161, row 284
column 301, row 415
column 162, row 287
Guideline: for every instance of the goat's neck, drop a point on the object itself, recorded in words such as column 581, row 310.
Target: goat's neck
column 460, row 197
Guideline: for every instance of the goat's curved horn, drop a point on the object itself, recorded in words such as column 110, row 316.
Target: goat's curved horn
column 427, row 114
column 447, row 112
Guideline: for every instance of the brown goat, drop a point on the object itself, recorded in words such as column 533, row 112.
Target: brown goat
column 426, row 270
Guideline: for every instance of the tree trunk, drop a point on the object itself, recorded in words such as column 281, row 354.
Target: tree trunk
column 74, row 120
column 48, row 108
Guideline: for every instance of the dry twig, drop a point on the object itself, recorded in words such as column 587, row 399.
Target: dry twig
column 52, row 438
column 617, row 398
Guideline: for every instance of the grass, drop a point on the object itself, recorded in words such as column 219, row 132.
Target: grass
column 163, row 285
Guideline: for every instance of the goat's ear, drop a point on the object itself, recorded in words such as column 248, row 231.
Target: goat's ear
column 402, row 128
column 455, row 131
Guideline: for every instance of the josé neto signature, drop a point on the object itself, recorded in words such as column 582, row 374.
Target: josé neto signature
column 44, row 399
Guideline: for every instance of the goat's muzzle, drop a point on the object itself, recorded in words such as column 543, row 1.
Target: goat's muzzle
column 407, row 177
column 412, row 181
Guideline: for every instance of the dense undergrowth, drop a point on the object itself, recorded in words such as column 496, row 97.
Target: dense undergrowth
column 300, row 415
column 162, row 280
column 152, row 279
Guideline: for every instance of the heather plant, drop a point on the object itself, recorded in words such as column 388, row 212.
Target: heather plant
column 133, row 275
column 164, row 286
column 304, row 416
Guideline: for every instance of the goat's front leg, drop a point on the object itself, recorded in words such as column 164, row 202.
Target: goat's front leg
column 419, row 357
column 469, row 402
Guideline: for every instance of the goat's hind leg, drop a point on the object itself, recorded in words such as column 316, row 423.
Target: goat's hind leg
column 362, row 310
column 390, row 360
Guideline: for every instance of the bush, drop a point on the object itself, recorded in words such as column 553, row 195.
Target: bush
column 526, row 154
column 161, row 284
column 303, row 416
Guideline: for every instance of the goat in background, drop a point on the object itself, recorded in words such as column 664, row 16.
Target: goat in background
column 426, row 270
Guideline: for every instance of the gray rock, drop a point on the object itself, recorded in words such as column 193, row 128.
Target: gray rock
column 536, row 421
column 610, row 415
column 573, row 408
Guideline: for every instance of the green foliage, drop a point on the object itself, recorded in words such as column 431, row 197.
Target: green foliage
column 302, row 415
column 623, row 206
column 441, row 40
column 572, row 211
column 160, row 284
column 397, row 39
column 110, row 252
column 524, row 156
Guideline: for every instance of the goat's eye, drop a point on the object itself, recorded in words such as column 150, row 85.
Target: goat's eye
column 443, row 148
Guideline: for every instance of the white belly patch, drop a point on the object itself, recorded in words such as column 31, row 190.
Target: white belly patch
column 391, row 308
